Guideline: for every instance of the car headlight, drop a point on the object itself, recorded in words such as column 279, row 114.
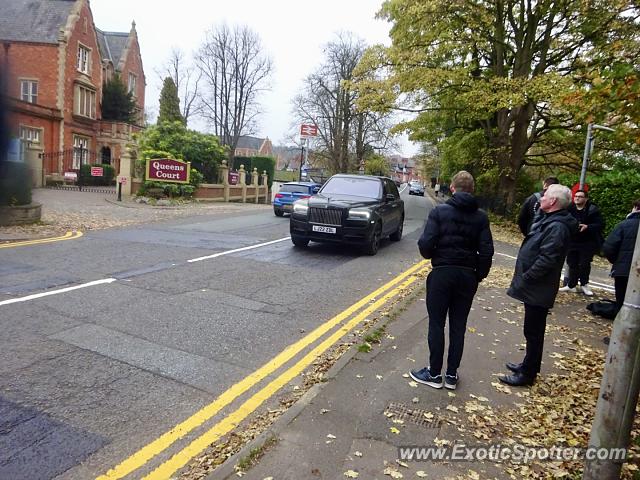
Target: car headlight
column 301, row 207
column 359, row 214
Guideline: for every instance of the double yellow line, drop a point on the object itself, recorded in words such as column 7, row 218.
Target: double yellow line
column 372, row 302
column 66, row 236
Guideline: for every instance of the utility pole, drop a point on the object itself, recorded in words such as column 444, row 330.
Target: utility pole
column 588, row 149
column 620, row 386
column 302, row 160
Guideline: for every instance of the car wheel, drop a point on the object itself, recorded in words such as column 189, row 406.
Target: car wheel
column 397, row 235
column 299, row 241
column 374, row 244
column 278, row 212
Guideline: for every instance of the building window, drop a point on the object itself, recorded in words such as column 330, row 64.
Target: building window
column 30, row 134
column 80, row 151
column 84, row 59
column 29, row 91
column 85, row 102
column 132, row 83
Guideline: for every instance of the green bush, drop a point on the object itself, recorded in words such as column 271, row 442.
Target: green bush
column 107, row 178
column 261, row 163
column 172, row 190
column 15, row 184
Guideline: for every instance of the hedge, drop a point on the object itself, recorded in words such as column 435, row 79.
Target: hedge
column 107, row 178
column 261, row 163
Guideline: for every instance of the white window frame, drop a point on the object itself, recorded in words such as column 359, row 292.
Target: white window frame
column 80, row 151
column 84, row 102
column 29, row 90
column 84, row 59
column 133, row 82
column 31, row 134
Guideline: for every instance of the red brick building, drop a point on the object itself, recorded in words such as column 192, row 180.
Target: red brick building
column 57, row 61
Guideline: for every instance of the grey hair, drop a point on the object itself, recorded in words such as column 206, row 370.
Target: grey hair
column 561, row 193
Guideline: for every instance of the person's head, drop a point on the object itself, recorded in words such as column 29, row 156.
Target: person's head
column 636, row 205
column 555, row 198
column 462, row 182
column 580, row 198
column 549, row 181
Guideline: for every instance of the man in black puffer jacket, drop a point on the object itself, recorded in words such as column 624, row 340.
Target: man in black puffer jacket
column 458, row 241
column 537, row 275
column 618, row 248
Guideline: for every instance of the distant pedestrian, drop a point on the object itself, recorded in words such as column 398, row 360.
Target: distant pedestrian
column 531, row 206
column 458, row 241
column 618, row 248
column 436, row 189
column 537, row 275
column 584, row 244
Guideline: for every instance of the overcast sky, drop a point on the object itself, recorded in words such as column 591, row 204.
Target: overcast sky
column 292, row 32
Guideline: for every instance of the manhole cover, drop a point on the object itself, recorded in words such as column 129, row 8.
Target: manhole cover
column 416, row 416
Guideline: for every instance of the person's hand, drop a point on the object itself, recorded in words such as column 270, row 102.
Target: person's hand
column 583, row 227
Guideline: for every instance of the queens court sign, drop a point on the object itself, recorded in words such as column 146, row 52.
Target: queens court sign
column 168, row 170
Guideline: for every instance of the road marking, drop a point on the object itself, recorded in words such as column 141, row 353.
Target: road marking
column 180, row 459
column 505, row 255
column 228, row 252
column 56, row 292
column 66, row 236
column 146, row 453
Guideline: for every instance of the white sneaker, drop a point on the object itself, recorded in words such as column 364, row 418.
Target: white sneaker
column 587, row 291
column 569, row 289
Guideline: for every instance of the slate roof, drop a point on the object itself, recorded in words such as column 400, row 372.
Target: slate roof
column 33, row 20
column 111, row 44
column 253, row 143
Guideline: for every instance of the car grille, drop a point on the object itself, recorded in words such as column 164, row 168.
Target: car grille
column 325, row 216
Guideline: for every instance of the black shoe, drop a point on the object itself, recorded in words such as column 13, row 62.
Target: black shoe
column 606, row 340
column 517, row 380
column 514, row 367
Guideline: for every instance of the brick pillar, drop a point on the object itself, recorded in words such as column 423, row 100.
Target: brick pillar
column 265, row 184
column 126, row 170
column 243, row 182
column 224, row 173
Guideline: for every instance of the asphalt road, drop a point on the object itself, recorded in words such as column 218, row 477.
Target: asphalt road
column 89, row 376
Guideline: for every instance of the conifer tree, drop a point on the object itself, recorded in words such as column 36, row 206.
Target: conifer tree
column 169, row 103
column 117, row 103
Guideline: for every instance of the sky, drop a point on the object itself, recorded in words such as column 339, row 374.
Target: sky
column 293, row 33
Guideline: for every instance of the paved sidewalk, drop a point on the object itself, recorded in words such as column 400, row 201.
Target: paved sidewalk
column 67, row 210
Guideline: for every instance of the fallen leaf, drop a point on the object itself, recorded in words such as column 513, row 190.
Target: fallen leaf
column 331, row 436
column 351, row 474
column 451, row 394
column 392, row 472
column 413, row 384
column 415, row 400
column 452, row 408
column 395, row 430
column 379, row 377
column 405, row 375
column 421, row 474
column 402, row 464
column 357, row 454
column 323, row 411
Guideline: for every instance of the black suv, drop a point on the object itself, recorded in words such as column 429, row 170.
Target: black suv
column 357, row 209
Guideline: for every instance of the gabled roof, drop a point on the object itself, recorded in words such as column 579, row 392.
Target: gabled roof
column 252, row 143
column 33, row 20
column 111, row 44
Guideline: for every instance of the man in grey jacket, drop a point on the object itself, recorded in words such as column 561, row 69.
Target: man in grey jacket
column 537, row 275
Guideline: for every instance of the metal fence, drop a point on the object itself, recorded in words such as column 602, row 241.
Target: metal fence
column 68, row 160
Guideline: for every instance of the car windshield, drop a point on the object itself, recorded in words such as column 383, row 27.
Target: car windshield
column 294, row 188
column 356, row 187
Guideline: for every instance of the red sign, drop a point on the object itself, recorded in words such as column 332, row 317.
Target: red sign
column 234, row 177
column 96, row 171
column 307, row 130
column 168, row 170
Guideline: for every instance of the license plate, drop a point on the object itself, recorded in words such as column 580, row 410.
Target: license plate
column 287, row 207
column 320, row 228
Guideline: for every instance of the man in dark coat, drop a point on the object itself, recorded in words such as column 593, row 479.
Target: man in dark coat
column 584, row 244
column 618, row 248
column 458, row 241
column 531, row 206
column 536, row 277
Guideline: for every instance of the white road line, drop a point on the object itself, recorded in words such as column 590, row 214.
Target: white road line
column 228, row 252
column 56, row 292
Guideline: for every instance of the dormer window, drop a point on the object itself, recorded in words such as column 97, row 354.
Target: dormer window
column 84, row 59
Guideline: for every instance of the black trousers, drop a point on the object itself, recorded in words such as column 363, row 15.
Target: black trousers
column 450, row 290
column 621, row 288
column 579, row 261
column 535, row 323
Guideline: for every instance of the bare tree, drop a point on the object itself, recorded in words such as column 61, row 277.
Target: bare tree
column 234, row 71
column 187, row 79
column 345, row 136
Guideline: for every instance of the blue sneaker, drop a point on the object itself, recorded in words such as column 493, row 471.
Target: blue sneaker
column 424, row 376
column 451, row 381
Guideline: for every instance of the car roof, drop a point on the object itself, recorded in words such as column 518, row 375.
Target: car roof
column 305, row 184
column 347, row 175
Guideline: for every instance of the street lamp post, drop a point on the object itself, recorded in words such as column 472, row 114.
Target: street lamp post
column 301, row 160
column 588, row 149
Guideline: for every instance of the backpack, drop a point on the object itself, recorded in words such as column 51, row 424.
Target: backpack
column 604, row 308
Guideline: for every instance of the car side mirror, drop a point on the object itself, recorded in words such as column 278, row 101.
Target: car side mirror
column 390, row 197
column 315, row 190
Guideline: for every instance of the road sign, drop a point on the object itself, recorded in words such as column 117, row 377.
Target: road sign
column 122, row 179
column 308, row 130
column 96, row 171
column 71, row 176
column 168, row 170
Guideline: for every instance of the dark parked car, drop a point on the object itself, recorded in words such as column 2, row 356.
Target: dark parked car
column 355, row 209
column 289, row 193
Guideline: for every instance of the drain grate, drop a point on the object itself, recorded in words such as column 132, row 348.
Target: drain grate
column 416, row 416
